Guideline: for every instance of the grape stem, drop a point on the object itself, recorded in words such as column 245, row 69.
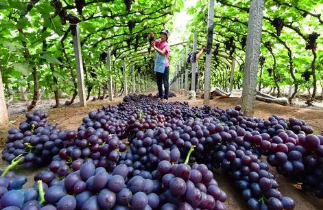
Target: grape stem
column 189, row 154
column 14, row 162
column 41, row 192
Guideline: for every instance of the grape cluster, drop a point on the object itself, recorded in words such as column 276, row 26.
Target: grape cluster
column 188, row 187
column 37, row 140
column 92, row 168
column 98, row 145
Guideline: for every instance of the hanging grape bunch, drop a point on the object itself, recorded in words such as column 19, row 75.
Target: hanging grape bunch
column 278, row 23
column 229, row 46
column 131, row 25
column 114, row 52
column 243, row 42
column 79, row 6
column 216, row 51
column 311, row 41
column 268, row 46
column 270, row 71
column 129, row 42
column 262, row 60
column 128, row 4
column 103, row 56
column 136, row 45
column 306, row 75
column 151, row 38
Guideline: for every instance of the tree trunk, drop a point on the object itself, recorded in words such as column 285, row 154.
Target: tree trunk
column 75, row 89
column 89, row 89
column 56, row 92
column 99, row 94
column 36, row 90
column 104, row 91
column 121, row 91
column 312, row 97
column 260, row 77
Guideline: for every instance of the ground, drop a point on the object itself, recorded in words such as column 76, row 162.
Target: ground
column 70, row 118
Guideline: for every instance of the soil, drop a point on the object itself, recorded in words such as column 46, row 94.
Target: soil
column 70, row 118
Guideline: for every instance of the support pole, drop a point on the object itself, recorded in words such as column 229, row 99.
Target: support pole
column 179, row 77
column 232, row 74
column 125, row 87
column 110, row 74
column 186, row 74
column 207, row 75
column 252, row 57
column 139, row 81
column 133, row 80
column 4, row 119
column 182, row 84
column 194, row 64
column 79, row 65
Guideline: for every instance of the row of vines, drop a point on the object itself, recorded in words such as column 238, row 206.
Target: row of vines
column 37, row 53
column 291, row 50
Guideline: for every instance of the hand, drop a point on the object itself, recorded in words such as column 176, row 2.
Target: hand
column 152, row 43
column 203, row 48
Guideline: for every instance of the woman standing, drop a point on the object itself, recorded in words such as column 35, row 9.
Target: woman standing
column 162, row 64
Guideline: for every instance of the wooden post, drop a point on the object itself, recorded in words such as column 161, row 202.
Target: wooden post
column 232, row 74
column 4, row 119
column 110, row 74
column 252, row 57
column 207, row 75
column 133, row 80
column 125, row 87
column 79, row 65
column 194, row 64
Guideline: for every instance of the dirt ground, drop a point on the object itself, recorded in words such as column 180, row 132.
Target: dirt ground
column 70, row 118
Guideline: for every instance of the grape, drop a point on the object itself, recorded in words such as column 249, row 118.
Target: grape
column 100, row 180
column 91, row 204
column 54, row 194
column 106, row 199
column 153, row 200
column 81, row 198
column 136, row 184
column 124, row 196
column 87, row 170
column 177, row 186
column 139, row 200
column 275, row 204
column 68, row 202
column 288, row 203
column 12, row 198
column 121, row 170
column 116, row 183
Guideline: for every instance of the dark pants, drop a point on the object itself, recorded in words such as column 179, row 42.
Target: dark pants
column 162, row 78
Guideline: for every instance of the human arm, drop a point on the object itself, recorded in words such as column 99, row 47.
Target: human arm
column 198, row 55
column 160, row 51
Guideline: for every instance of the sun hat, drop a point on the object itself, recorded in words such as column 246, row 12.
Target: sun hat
column 165, row 31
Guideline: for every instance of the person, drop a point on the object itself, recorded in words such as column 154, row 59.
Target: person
column 197, row 57
column 162, row 64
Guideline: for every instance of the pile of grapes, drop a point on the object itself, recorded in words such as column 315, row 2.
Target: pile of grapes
column 146, row 154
